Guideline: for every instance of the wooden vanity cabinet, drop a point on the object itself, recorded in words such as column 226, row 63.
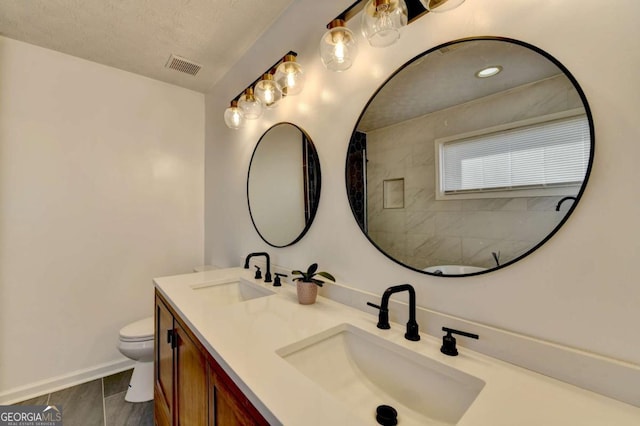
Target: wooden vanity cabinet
column 190, row 388
column 163, row 365
column 229, row 406
column 191, row 384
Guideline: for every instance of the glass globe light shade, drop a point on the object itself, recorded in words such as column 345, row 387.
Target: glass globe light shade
column 250, row 106
column 338, row 47
column 233, row 116
column 289, row 76
column 382, row 21
column 439, row 6
column 267, row 92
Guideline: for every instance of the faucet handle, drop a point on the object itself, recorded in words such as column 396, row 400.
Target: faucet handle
column 449, row 342
column 383, row 317
column 258, row 273
column 276, row 281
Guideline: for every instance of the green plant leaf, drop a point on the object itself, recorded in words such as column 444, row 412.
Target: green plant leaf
column 307, row 277
column 312, row 269
column 326, row 275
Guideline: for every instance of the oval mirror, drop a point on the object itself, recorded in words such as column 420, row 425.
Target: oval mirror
column 283, row 185
column 470, row 156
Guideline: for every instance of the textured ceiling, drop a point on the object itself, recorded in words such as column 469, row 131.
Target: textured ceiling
column 140, row 35
column 446, row 77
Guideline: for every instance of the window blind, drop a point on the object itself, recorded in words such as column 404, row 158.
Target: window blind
column 552, row 153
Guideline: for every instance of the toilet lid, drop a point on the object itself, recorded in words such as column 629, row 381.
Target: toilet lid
column 139, row 330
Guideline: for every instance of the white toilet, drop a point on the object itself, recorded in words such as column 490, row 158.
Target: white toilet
column 136, row 342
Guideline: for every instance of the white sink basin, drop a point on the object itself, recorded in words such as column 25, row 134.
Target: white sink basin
column 229, row 291
column 364, row 371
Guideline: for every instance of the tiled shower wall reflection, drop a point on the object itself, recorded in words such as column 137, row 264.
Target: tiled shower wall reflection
column 427, row 232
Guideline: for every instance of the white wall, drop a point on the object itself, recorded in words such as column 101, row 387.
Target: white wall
column 101, row 189
column 580, row 289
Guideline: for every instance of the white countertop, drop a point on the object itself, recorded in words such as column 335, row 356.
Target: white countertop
column 244, row 337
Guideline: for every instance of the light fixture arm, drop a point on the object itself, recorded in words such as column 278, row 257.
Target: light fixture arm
column 415, row 9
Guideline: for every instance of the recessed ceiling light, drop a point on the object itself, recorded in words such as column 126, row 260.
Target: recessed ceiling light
column 489, row 71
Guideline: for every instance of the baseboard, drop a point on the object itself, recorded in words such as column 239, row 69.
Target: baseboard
column 54, row 384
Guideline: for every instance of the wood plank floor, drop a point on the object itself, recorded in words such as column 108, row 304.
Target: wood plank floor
column 98, row 403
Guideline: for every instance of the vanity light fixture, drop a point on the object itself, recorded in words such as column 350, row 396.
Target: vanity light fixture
column 382, row 21
column 250, row 106
column 267, row 91
column 438, row 6
column 233, row 117
column 489, row 71
column 338, row 47
column 289, row 76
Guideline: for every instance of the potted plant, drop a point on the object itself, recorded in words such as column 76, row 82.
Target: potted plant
column 307, row 285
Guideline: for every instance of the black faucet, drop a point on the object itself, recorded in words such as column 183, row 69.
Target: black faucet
column 267, row 275
column 563, row 200
column 496, row 257
column 383, row 316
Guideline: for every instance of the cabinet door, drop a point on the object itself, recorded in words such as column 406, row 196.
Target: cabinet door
column 163, row 373
column 229, row 407
column 191, row 382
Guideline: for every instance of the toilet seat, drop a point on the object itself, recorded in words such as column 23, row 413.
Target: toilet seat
column 139, row 331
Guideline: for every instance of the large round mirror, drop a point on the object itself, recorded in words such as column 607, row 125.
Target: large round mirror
column 470, row 157
column 283, row 186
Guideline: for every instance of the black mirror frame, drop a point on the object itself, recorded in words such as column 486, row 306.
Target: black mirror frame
column 583, row 98
column 318, row 185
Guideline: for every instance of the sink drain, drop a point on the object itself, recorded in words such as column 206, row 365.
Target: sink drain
column 386, row 415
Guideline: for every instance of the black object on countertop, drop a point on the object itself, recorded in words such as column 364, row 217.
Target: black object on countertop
column 383, row 316
column 449, row 342
column 386, row 415
column 276, row 281
column 267, row 275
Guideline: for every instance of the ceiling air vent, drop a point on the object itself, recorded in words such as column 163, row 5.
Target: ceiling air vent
column 183, row 65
